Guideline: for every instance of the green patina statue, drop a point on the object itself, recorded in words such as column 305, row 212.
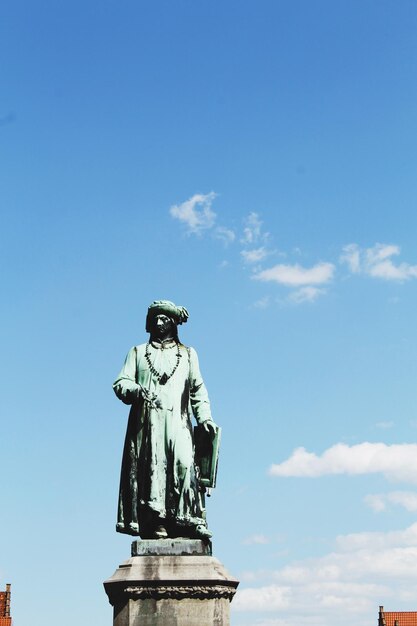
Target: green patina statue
column 162, row 493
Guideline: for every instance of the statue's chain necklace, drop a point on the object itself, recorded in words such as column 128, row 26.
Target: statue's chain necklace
column 162, row 378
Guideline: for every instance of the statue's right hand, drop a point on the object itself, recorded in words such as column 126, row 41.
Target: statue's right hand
column 151, row 399
column 156, row 402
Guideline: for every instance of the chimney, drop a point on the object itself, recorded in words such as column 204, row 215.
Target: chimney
column 8, row 594
column 381, row 618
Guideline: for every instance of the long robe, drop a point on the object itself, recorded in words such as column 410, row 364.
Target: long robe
column 158, row 477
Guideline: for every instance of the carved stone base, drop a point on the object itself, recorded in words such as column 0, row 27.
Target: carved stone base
column 171, row 590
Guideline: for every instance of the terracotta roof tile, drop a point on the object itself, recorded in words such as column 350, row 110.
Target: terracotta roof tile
column 5, row 620
column 404, row 618
column 2, row 603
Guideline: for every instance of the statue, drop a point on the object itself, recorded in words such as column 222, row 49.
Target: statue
column 162, row 493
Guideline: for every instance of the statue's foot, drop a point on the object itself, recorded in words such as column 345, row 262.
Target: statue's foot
column 202, row 532
column 134, row 528
column 130, row 529
column 160, row 532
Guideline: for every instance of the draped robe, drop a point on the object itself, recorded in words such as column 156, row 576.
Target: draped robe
column 158, row 476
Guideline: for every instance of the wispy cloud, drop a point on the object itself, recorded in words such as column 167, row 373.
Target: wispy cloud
column 253, row 240
column 352, row 257
column 380, row 501
column 377, row 262
column 384, row 425
column 256, row 539
column 306, row 294
column 252, row 232
column 254, row 256
column 342, row 587
column 376, row 502
column 296, row 275
column 196, row 213
column 379, row 540
column 269, row 598
column 305, row 284
column 262, row 303
column 396, row 462
column 226, row 235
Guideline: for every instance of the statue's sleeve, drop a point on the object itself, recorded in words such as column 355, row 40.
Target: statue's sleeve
column 125, row 386
column 200, row 402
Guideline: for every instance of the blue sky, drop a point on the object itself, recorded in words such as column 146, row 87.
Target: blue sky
column 255, row 162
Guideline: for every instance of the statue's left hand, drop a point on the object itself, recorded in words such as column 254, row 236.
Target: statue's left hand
column 210, row 428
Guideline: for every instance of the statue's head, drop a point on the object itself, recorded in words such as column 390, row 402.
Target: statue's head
column 163, row 318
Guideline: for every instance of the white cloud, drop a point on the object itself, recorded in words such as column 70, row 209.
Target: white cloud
column 383, row 541
column 342, row 587
column 351, row 256
column 296, row 275
column 380, row 502
column 377, row 262
column 396, row 462
column 262, row 303
column 252, row 233
column 380, row 252
column 375, row 502
column 384, row 425
column 388, row 271
column 306, row 294
column 225, row 234
column 255, row 255
column 256, row 539
column 406, row 499
column 196, row 213
column 270, row 598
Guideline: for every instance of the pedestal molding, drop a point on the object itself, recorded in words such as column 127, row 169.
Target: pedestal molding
column 179, row 592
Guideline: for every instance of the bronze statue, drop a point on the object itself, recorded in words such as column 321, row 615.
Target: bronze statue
column 162, row 493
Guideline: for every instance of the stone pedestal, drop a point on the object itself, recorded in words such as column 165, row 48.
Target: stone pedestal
column 171, row 582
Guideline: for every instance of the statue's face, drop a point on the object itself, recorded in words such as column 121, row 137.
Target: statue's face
column 163, row 326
